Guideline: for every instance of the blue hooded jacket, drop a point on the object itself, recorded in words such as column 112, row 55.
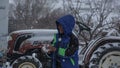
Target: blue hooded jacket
column 61, row 43
column 67, row 23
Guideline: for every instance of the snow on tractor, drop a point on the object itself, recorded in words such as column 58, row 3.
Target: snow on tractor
column 28, row 49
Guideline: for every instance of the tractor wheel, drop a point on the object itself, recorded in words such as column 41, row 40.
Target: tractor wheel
column 27, row 62
column 106, row 56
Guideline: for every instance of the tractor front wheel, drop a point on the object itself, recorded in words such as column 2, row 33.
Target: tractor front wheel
column 27, row 62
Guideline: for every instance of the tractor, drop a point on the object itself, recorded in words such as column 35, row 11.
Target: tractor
column 29, row 49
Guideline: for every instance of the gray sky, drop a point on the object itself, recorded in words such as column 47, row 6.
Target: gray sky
column 10, row 1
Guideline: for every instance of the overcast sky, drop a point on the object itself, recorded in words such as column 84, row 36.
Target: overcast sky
column 10, row 1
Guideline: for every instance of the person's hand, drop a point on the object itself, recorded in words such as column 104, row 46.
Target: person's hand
column 51, row 49
column 48, row 48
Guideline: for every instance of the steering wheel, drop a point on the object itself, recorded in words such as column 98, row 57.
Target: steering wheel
column 82, row 26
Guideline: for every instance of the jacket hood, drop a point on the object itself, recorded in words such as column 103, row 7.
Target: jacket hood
column 67, row 23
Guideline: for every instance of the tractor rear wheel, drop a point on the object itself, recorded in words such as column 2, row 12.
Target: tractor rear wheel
column 106, row 56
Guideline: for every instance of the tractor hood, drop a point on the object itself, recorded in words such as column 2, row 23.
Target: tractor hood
column 39, row 34
column 31, row 36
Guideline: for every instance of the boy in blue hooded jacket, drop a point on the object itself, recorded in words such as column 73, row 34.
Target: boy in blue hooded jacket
column 66, row 43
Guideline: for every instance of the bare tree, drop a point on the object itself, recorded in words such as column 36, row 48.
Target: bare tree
column 30, row 14
column 94, row 13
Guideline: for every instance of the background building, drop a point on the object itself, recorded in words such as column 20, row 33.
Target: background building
column 3, row 23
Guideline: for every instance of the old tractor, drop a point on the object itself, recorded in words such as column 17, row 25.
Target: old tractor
column 28, row 49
